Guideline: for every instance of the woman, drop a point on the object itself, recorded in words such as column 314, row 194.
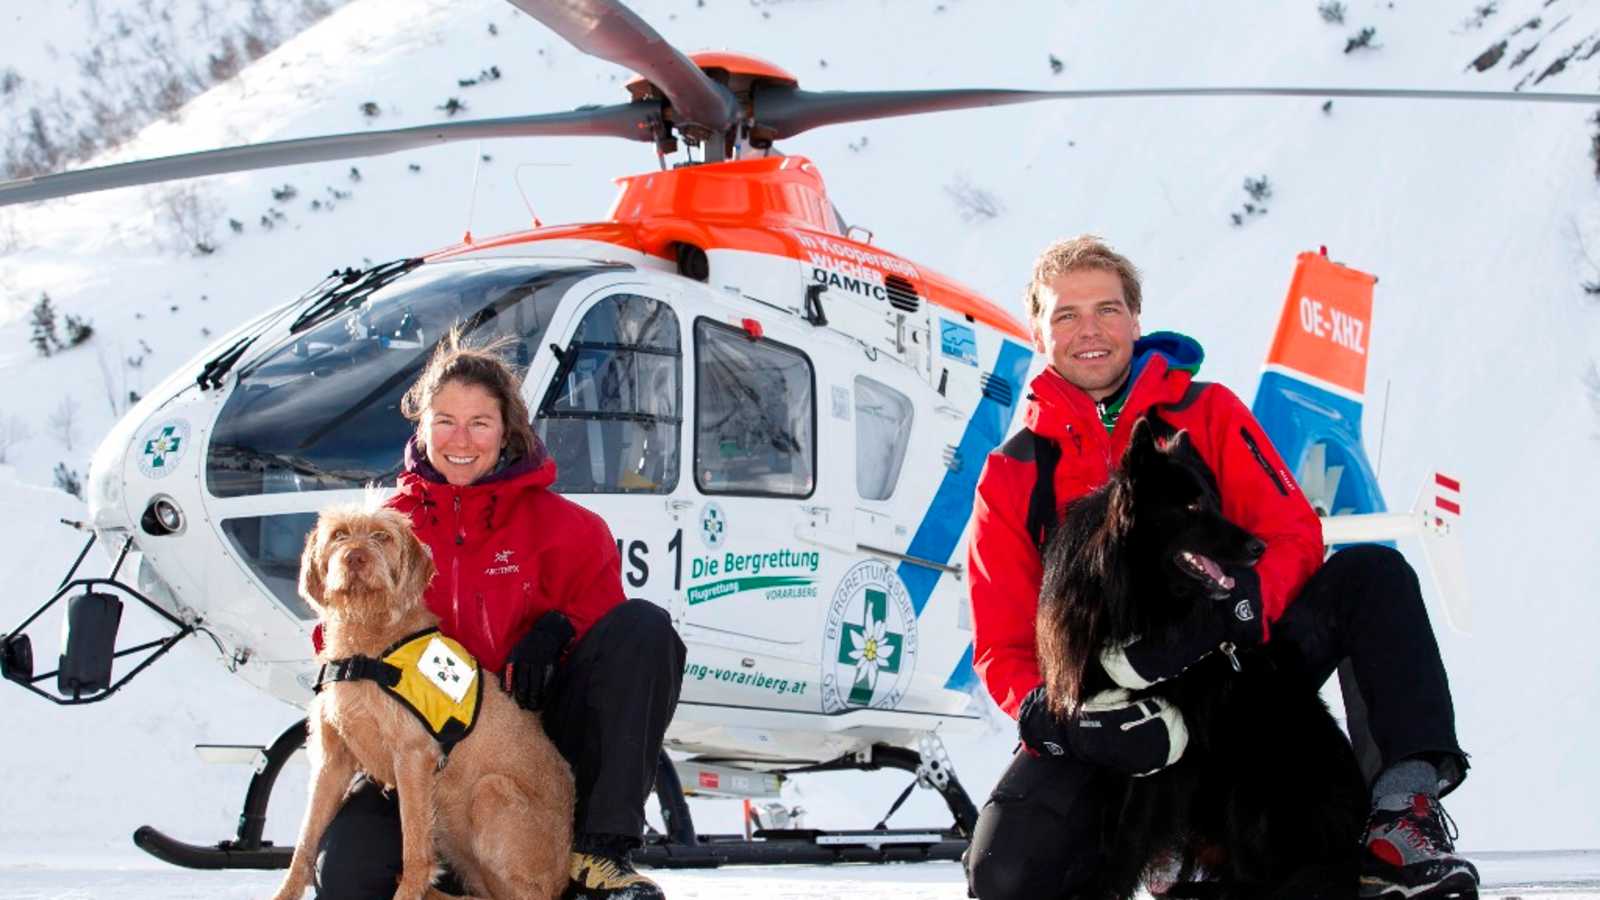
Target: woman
column 530, row 583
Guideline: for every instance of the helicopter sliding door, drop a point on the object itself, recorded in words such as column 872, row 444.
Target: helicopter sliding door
column 612, row 419
column 752, row 583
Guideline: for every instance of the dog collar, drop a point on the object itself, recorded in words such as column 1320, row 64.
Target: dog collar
column 431, row 675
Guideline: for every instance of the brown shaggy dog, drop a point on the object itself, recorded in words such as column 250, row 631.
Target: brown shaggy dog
column 498, row 810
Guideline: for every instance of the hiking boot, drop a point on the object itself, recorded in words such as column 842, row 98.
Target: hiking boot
column 603, row 876
column 1411, row 853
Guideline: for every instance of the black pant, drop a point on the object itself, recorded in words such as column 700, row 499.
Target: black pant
column 1040, row 834
column 606, row 712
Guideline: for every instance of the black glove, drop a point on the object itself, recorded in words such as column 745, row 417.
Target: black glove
column 1230, row 621
column 531, row 665
column 1110, row 730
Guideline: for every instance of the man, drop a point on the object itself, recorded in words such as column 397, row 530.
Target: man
column 1036, row 836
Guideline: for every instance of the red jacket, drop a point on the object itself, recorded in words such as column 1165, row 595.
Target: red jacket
column 1004, row 563
column 508, row 550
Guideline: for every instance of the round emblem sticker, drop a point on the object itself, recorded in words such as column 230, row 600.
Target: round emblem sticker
column 161, row 448
column 869, row 644
column 713, row 526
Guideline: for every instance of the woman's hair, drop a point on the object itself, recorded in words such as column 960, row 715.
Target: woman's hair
column 481, row 366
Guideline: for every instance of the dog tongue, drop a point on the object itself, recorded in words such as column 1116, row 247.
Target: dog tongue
column 1214, row 572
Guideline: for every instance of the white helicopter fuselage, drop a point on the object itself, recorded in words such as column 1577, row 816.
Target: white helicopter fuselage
column 819, row 587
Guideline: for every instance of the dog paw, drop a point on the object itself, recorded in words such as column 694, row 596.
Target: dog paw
column 412, row 888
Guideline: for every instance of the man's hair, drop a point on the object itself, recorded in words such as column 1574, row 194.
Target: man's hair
column 1086, row 251
column 456, row 361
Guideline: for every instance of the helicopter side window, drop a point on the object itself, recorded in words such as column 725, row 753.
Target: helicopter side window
column 755, row 415
column 611, row 415
column 883, row 431
column 271, row 547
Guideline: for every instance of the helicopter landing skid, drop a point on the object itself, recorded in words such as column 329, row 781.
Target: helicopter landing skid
column 679, row 848
column 682, row 848
column 247, row 850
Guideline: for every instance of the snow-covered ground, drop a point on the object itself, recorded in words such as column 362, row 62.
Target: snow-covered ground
column 1563, row 876
column 1481, row 221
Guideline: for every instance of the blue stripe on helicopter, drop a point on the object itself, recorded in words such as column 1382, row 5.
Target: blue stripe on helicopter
column 946, row 518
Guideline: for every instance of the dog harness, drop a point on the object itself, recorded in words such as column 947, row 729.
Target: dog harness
column 431, row 675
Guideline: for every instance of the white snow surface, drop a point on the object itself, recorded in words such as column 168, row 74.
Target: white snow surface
column 1475, row 217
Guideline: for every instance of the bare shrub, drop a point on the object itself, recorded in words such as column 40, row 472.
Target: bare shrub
column 186, row 217
column 1480, row 14
column 973, row 203
column 10, row 236
column 13, row 431
column 1594, row 146
column 1331, row 11
column 225, row 63
column 1591, row 387
column 1362, row 40
column 63, row 422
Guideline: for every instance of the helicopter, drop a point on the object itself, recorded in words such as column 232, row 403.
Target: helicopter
column 727, row 294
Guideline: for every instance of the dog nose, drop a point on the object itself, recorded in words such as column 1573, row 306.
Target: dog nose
column 356, row 558
column 1255, row 548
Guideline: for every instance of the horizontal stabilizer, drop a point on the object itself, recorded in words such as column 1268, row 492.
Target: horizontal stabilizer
column 1436, row 520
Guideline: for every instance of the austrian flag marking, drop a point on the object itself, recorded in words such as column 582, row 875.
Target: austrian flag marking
column 1448, row 493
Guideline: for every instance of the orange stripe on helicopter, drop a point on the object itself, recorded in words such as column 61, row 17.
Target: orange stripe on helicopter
column 1325, row 326
column 775, row 205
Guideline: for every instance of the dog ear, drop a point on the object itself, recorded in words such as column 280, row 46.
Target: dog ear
column 1143, row 446
column 417, row 558
column 311, row 574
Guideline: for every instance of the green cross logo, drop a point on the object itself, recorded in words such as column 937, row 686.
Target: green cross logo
column 871, row 647
column 713, row 525
column 157, row 448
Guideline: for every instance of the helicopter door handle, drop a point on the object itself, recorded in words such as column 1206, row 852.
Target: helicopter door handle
column 678, row 506
column 949, row 411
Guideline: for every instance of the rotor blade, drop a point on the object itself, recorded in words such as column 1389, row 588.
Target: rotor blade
column 628, row 120
column 790, row 111
column 612, row 32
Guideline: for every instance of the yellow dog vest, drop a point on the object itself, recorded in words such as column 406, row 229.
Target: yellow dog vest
column 431, row 675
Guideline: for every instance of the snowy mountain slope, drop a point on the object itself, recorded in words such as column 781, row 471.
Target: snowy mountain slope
column 1473, row 216
column 82, row 75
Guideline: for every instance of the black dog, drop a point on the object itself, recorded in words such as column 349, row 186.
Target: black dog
column 1267, row 800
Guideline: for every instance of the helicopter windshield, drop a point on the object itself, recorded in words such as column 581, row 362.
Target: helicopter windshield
column 322, row 410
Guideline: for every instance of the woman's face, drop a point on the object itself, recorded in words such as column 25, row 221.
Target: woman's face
column 463, row 432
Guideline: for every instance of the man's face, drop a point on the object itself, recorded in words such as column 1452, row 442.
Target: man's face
column 1087, row 330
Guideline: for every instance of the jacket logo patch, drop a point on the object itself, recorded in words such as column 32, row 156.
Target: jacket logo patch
column 503, row 564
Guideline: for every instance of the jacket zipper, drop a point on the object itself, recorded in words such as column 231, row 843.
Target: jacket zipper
column 1265, row 466
column 461, row 536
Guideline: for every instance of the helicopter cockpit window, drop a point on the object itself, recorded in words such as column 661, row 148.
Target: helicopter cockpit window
column 883, row 431
column 612, row 413
column 755, row 415
column 322, row 410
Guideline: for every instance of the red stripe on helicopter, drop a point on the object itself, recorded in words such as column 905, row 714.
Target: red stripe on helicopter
column 1446, row 482
column 1447, row 505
